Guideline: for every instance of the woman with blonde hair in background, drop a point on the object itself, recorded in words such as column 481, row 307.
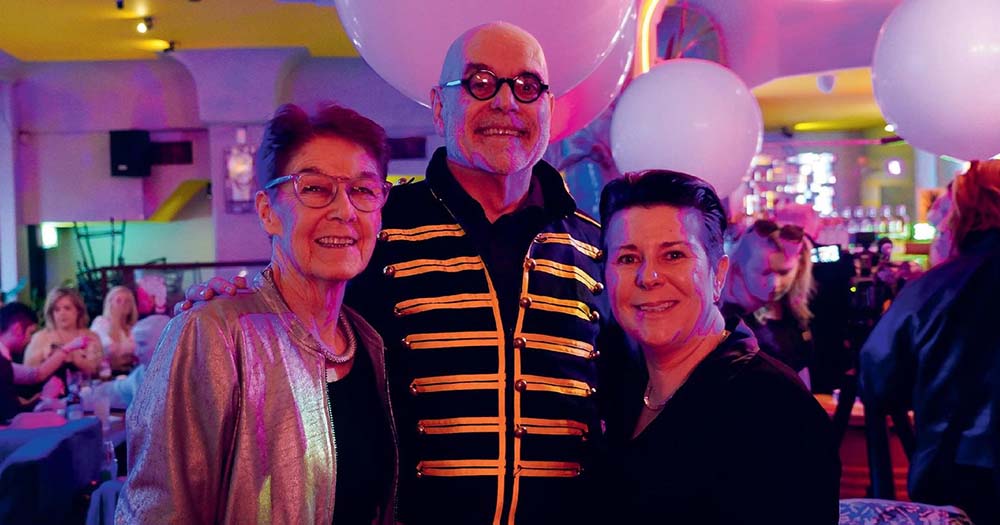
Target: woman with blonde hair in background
column 65, row 329
column 114, row 327
column 770, row 286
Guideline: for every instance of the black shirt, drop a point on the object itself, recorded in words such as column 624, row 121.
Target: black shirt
column 362, row 442
column 740, row 442
column 503, row 244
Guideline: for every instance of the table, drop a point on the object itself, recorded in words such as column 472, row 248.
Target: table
column 44, row 471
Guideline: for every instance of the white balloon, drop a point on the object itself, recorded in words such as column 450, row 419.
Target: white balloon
column 405, row 41
column 578, row 107
column 688, row 115
column 936, row 75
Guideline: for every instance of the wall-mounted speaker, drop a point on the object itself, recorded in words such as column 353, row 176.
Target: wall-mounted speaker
column 130, row 153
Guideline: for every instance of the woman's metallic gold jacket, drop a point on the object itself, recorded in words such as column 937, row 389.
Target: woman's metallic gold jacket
column 232, row 423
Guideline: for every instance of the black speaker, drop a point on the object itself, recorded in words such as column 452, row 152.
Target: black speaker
column 130, row 153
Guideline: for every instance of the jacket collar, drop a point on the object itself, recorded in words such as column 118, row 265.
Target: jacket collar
column 264, row 285
column 555, row 195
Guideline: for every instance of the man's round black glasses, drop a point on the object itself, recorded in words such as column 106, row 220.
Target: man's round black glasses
column 484, row 85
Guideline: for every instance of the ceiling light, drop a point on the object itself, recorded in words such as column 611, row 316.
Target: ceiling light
column 144, row 25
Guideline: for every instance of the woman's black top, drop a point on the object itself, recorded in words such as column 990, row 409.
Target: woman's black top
column 363, row 445
column 741, row 441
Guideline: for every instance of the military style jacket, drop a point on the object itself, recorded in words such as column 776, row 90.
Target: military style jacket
column 498, row 424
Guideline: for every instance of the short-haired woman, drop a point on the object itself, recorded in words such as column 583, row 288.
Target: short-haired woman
column 272, row 406
column 712, row 431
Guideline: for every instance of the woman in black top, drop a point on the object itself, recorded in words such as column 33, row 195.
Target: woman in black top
column 711, row 430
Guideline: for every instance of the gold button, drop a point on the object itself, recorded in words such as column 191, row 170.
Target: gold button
column 526, row 302
column 383, row 235
column 594, row 354
column 579, row 471
column 406, row 344
column 593, row 391
column 413, row 389
column 396, row 311
column 389, row 271
column 421, row 430
column 420, row 472
column 595, row 315
column 599, row 255
column 520, row 342
column 520, row 385
column 598, row 288
column 520, row 432
column 541, row 238
column 529, row 264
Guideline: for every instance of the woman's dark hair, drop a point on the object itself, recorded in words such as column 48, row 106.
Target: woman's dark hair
column 671, row 188
column 291, row 127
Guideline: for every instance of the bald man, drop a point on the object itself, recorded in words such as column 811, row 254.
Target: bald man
column 485, row 287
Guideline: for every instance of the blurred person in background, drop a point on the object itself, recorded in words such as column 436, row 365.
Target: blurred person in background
column 114, row 327
column 65, row 329
column 769, row 287
column 936, row 351
column 17, row 324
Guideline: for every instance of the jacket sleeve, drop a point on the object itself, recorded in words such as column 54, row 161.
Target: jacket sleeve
column 181, row 427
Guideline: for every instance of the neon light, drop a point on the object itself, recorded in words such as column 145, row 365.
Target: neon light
column 650, row 8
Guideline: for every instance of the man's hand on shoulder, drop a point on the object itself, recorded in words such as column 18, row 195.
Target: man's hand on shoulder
column 207, row 290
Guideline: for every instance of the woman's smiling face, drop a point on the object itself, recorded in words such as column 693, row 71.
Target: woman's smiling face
column 661, row 283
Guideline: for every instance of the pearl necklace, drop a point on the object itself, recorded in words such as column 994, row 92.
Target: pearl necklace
column 649, row 385
column 352, row 344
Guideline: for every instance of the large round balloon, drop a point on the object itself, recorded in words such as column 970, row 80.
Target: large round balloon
column 936, row 74
column 688, row 115
column 405, row 41
column 582, row 104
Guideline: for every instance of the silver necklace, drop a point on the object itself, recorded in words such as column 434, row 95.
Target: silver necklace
column 352, row 344
column 649, row 385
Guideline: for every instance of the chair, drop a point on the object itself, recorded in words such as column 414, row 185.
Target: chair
column 103, row 502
